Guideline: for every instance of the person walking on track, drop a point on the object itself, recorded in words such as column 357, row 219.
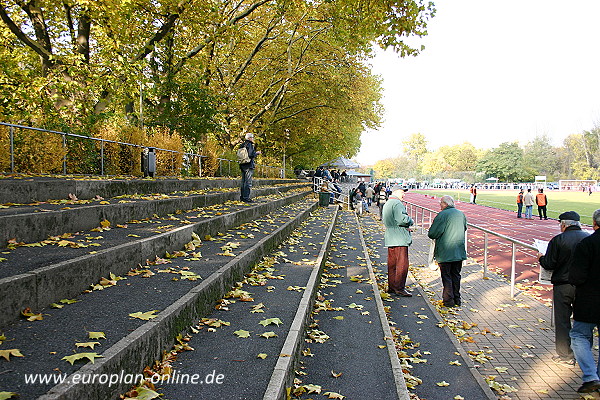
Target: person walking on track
column 448, row 230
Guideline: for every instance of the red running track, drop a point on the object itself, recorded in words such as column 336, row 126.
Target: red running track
column 500, row 251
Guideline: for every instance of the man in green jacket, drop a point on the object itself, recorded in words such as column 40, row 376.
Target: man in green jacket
column 397, row 239
column 448, row 230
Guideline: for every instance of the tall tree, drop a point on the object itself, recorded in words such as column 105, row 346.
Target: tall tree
column 505, row 162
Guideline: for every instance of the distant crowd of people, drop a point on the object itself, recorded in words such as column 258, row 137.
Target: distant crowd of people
column 333, row 176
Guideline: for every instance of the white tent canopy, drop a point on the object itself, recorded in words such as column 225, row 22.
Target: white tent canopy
column 342, row 163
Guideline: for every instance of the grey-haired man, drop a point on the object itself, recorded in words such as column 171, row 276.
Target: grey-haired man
column 558, row 258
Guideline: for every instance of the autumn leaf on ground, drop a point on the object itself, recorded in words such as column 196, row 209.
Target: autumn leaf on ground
column 105, row 223
column 2, row 338
column 81, row 356
column 145, row 316
column 258, row 308
column 268, row 335
column 340, row 317
column 455, row 362
column 215, row 322
column 87, row 344
column 54, row 305
column 242, row 333
column 312, row 388
column 269, row 321
column 307, row 353
column 10, row 352
column 68, row 301
column 261, row 356
column 336, row 374
column 96, row 335
column 333, row 395
column 8, row 395
column 442, row 384
column 30, row 315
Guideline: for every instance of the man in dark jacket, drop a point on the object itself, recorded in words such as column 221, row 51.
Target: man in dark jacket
column 585, row 275
column 248, row 168
column 448, row 231
column 558, row 259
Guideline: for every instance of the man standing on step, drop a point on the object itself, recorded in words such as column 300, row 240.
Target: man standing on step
column 248, row 168
column 585, row 275
column 397, row 239
column 542, row 201
column 558, row 259
column 448, row 230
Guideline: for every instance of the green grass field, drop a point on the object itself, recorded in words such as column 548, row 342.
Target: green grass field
column 558, row 202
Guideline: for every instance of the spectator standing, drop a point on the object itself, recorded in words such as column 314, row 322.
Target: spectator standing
column 520, row 203
column 558, row 258
column 247, row 169
column 369, row 192
column 397, row 239
column 344, row 176
column 585, row 275
column 318, row 173
column 448, row 230
column 528, row 201
column 362, row 188
column 473, row 191
column 381, row 200
column 542, row 201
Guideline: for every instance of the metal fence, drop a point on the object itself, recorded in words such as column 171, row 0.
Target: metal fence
column 423, row 218
column 176, row 162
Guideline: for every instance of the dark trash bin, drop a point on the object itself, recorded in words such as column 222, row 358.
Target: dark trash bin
column 324, row 199
column 148, row 162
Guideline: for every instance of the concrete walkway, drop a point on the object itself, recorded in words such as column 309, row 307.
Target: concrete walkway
column 512, row 340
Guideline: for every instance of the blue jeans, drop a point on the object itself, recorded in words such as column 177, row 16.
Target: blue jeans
column 528, row 212
column 582, row 339
column 246, row 183
column 519, row 209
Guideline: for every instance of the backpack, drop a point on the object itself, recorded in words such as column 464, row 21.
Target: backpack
column 242, row 155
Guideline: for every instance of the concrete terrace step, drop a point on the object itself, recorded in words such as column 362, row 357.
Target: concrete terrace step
column 33, row 222
column 130, row 343
column 358, row 359
column 296, row 266
column 425, row 348
column 37, row 276
column 26, row 189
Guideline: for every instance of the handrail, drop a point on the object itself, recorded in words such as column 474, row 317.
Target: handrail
column 415, row 207
column 102, row 141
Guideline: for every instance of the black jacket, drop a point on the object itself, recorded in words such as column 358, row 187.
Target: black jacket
column 558, row 256
column 251, row 153
column 585, row 275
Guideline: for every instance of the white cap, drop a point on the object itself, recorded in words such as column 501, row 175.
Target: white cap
column 249, row 135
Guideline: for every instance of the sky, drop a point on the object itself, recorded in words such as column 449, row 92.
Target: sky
column 492, row 71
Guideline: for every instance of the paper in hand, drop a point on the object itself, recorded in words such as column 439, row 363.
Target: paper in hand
column 542, row 245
